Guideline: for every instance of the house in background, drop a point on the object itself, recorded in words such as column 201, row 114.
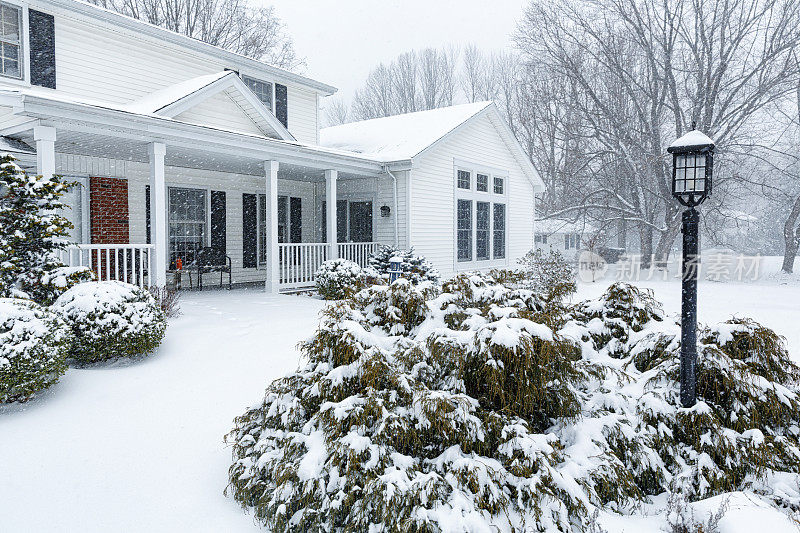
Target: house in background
column 565, row 237
column 177, row 146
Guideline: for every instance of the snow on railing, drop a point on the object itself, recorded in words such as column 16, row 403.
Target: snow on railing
column 358, row 252
column 123, row 262
column 298, row 262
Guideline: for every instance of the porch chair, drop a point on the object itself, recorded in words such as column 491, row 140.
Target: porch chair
column 213, row 260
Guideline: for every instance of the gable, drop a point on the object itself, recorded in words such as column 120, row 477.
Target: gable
column 220, row 101
column 484, row 141
column 222, row 112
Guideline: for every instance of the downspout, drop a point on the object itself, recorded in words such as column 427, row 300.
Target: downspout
column 394, row 200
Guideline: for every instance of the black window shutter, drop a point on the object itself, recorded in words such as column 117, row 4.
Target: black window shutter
column 282, row 104
column 249, row 230
column 296, row 218
column 218, row 229
column 147, row 212
column 43, row 48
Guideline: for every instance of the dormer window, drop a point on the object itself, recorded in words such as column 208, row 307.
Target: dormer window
column 10, row 41
column 262, row 90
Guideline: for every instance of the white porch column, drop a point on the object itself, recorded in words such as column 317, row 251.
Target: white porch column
column 273, row 269
column 45, row 137
column 330, row 202
column 158, row 214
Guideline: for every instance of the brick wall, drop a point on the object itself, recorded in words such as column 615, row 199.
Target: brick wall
column 108, row 198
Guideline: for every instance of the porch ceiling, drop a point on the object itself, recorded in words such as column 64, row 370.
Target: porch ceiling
column 107, row 146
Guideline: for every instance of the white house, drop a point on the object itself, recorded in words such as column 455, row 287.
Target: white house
column 563, row 236
column 178, row 145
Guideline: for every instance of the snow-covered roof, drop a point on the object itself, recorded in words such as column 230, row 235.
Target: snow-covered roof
column 157, row 100
column 693, row 138
column 550, row 226
column 399, row 137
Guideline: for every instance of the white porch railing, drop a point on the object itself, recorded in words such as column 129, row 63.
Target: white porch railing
column 123, row 262
column 358, row 252
column 298, row 262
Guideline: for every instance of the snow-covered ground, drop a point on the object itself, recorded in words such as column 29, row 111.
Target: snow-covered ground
column 139, row 447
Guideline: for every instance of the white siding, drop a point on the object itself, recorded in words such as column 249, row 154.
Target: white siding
column 433, row 194
column 97, row 63
column 303, row 115
column 221, row 112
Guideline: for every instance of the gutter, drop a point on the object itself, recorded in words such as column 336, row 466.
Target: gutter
column 394, row 200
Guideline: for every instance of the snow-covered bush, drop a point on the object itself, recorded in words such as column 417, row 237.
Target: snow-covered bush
column 33, row 348
column 57, row 281
column 414, row 268
column 467, row 406
column 338, row 278
column 30, row 230
column 550, row 275
column 111, row 319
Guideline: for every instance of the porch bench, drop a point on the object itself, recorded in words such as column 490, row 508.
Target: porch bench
column 212, row 260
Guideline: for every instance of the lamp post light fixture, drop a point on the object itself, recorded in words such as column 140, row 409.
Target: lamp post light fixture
column 395, row 268
column 692, row 168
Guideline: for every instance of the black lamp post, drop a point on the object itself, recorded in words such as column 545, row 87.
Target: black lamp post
column 693, row 158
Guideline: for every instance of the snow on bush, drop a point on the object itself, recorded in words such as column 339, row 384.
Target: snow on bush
column 33, row 347
column 338, row 278
column 56, row 282
column 111, row 319
column 548, row 274
column 476, row 406
column 414, row 268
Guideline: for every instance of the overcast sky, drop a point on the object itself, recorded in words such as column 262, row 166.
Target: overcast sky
column 343, row 40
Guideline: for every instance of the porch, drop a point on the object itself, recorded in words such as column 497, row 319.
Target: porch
column 131, row 263
column 151, row 192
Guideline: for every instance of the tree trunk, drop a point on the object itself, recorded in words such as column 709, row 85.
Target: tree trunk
column 791, row 237
column 664, row 246
column 646, row 245
column 622, row 234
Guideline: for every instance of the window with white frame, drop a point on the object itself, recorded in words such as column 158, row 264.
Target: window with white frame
column 262, row 90
column 464, row 230
column 10, row 41
column 464, row 179
column 187, row 223
column 499, row 231
column 482, row 183
column 499, row 185
column 480, row 217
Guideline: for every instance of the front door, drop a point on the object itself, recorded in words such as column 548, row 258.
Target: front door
column 360, row 221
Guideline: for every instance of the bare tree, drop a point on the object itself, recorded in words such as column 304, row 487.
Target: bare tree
column 714, row 62
column 234, row 25
column 414, row 81
column 336, row 111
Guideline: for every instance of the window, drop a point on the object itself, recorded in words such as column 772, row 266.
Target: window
column 464, row 181
column 499, row 231
column 10, row 41
column 262, row 89
column 690, row 173
column 482, row 231
column 187, row 223
column 482, row 183
column 498, row 185
column 464, row 226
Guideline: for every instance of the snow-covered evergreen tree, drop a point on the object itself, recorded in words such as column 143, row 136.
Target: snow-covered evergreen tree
column 414, row 268
column 467, row 407
column 30, row 227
